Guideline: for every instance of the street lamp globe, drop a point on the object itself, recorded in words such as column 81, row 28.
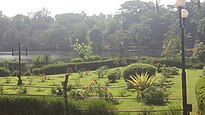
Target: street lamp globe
column 185, row 13
column 180, row 3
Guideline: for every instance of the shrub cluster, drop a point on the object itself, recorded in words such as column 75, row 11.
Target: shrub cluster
column 138, row 68
column 27, row 105
column 4, row 72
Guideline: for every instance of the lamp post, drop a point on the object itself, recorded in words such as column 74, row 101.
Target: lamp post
column 183, row 14
column 121, row 49
column 19, row 64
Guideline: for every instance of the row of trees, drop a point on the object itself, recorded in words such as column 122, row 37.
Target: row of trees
column 137, row 23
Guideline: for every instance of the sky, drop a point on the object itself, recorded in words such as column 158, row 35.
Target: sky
column 12, row 7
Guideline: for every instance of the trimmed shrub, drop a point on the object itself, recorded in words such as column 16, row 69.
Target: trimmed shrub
column 167, row 71
column 200, row 95
column 112, row 76
column 204, row 70
column 98, row 107
column 93, row 58
column 76, row 60
column 171, row 62
column 198, row 66
column 52, row 105
column 102, row 71
column 4, row 72
column 36, row 71
column 27, row 105
column 54, row 69
column 154, row 96
column 62, row 68
column 138, row 68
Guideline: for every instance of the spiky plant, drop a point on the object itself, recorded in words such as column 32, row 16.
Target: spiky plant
column 141, row 82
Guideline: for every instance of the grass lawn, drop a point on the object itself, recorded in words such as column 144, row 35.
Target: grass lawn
column 125, row 104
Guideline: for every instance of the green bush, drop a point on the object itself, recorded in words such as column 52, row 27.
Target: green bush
column 93, row 58
column 61, row 68
column 138, row 68
column 52, row 105
column 102, row 71
column 76, row 60
column 198, row 66
column 167, row 71
column 27, row 105
column 54, row 69
column 171, row 62
column 4, row 72
column 154, row 96
column 98, row 107
column 36, row 71
column 200, row 95
column 112, row 76
column 204, row 70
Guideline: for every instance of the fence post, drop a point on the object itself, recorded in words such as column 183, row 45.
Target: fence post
column 64, row 84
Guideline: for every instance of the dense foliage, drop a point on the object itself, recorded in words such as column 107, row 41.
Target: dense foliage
column 200, row 95
column 4, row 72
column 27, row 105
column 136, row 23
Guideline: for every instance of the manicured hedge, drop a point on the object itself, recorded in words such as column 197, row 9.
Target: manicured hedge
column 4, row 72
column 47, row 105
column 62, row 68
column 170, row 62
column 138, row 68
column 200, row 95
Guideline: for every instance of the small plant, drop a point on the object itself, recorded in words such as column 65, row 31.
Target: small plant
column 123, row 93
column 8, row 80
column 22, row 91
column 1, row 89
column 30, row 80
column 87, row 72
column 77, row 81
column 102, row 71
column 56, row 91
column 78, row 94
column 43, row 77
column 204, row 70
column 81, row 73
column 39, row 89
column 112, row 76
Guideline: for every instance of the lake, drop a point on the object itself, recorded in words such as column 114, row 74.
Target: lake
column 65, row 55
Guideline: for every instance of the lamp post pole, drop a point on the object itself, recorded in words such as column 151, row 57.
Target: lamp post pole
column 19, row 63
column 19, row 75
column 184, row 91
column 183, row 14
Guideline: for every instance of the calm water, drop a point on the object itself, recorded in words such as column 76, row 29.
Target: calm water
column 65, row 55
